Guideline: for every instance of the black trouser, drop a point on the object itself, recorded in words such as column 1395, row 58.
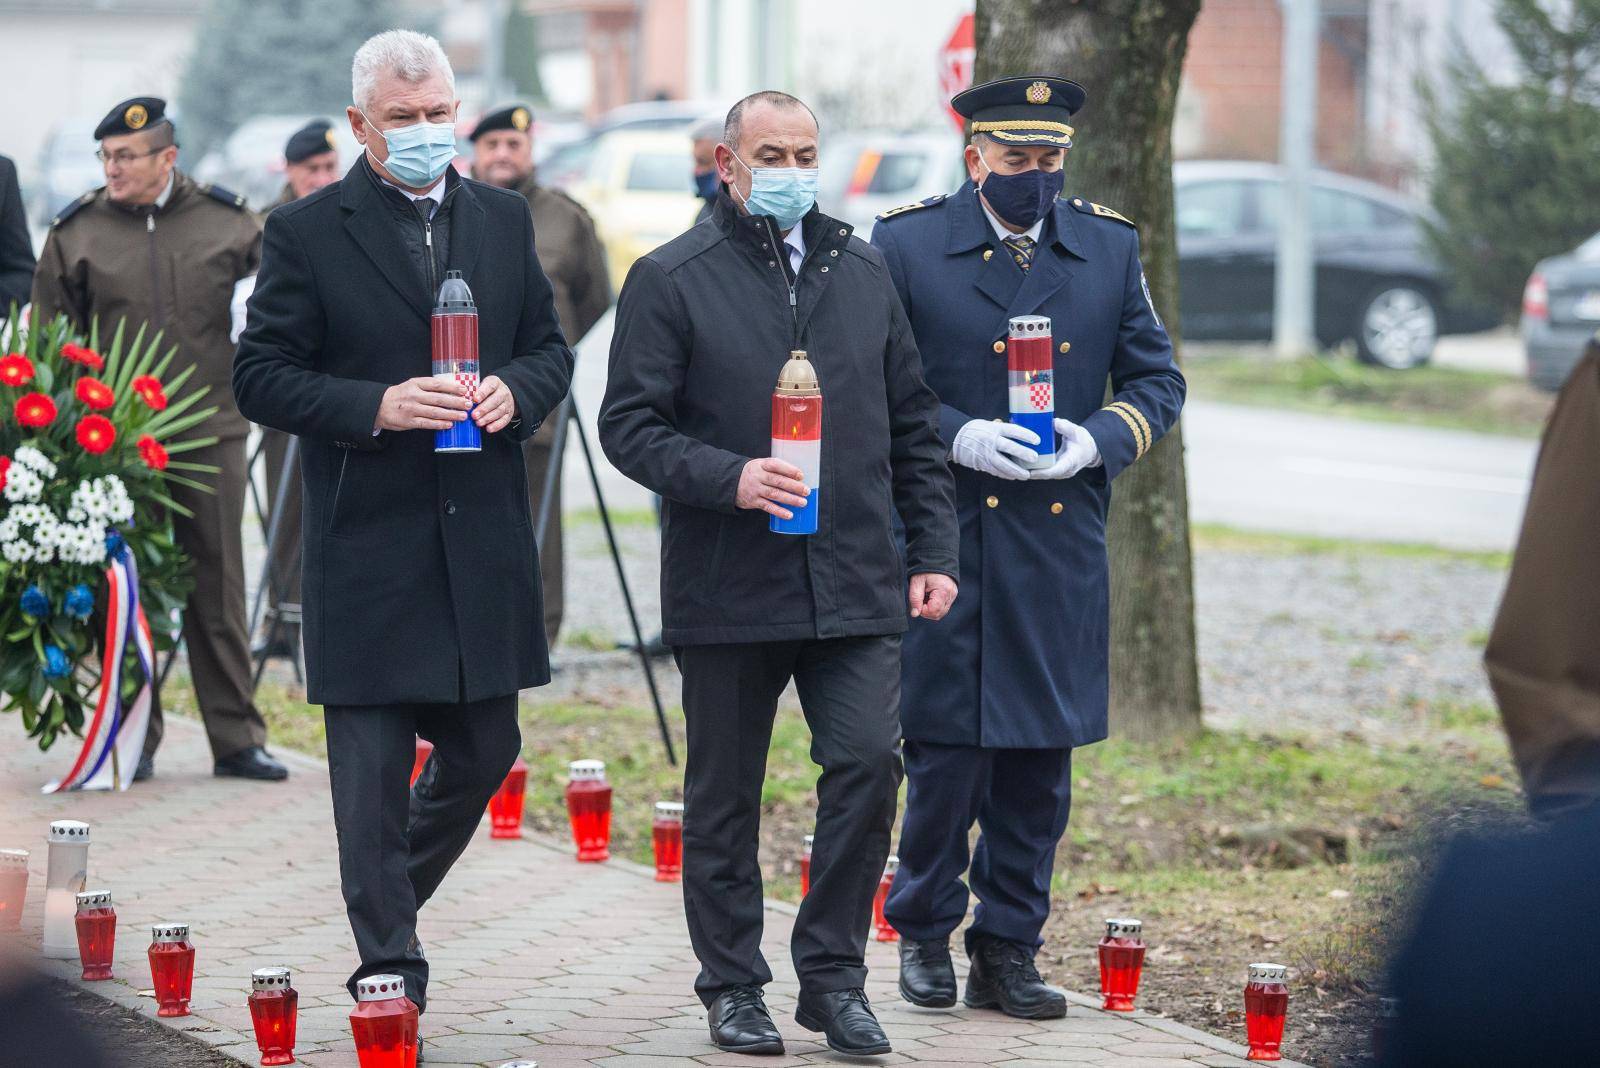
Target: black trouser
column 850, row 692
column 394, row 850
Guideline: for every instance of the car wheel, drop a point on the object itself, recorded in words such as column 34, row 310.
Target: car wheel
column 1398, row 327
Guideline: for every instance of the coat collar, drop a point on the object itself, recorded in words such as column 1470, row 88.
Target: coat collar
column 998, row 278
column 969, row 227
column 825, row 238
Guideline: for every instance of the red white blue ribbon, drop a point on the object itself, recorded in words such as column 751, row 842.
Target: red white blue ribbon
column 118, row 727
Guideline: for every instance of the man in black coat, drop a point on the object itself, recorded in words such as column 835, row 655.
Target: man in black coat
column 422, row 611
column 704, row 326
column 16, row 247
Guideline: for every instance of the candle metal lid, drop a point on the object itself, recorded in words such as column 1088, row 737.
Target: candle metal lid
column 1030, row 326
column 270, row 979
column 587, row 770
column 672, row 810
column 1123, row 927
column 798, row 377
column 75, row 832
column 380, row 988
column 14, row 858
column 169, row 932
column 94, row 899
column 1269, row 973
column 891, row 865
column 811, row 840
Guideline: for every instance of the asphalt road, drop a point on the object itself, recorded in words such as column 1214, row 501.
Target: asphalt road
column 1264, row 469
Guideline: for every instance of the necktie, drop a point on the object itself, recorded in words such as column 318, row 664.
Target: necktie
column 1021, row 247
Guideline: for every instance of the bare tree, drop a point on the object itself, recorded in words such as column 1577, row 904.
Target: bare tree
column 1129, row 55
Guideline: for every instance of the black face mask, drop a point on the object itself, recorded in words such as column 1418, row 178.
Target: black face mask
column 1022, row 199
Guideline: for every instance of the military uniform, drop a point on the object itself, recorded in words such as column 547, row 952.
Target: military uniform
column 173, row 266
column 996, row 695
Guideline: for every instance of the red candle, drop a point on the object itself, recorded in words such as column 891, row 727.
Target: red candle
column 884, row 932
column 274, row 1005
column 1121, row 961
column 424, row 750
column 505, row 807
column 589, row 809
column 668, row 834
column 171, row 968
column 13, row 887
column 96, row 921
column 384, row 1023
column 805, row 864
column 1266, row 1001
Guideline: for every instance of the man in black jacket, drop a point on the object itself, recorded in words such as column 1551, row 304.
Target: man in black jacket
column 704, row 325
column 16, row 247
column 422, row 612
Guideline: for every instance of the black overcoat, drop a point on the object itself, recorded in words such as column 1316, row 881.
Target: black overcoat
column 703, row 327
column 421, row 575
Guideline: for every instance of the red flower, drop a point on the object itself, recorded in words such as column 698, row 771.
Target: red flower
column 96, row 434
column 78, row 354
column 95, row 393
column 150, row 451
column 35, row 410
column 5, row 470
column 16, row 369
column 149, row 388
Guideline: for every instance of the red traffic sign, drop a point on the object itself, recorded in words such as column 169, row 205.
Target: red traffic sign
column 956, row 60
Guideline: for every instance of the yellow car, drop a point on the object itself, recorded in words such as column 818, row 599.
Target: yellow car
column 639, row 187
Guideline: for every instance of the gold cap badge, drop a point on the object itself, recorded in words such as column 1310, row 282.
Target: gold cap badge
column 136, row 116
column 519, row 118
column 1038, row 93
column 327, row 135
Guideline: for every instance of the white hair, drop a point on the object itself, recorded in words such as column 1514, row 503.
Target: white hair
column 406, row 54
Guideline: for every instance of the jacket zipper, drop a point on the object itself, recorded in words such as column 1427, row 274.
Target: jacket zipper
column 155, row 269
column 427, row 241
column 780, row 249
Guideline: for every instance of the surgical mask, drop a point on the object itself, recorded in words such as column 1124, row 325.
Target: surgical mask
column 785, row 193
column 420, row 153
column 705, row 184
column 1021, row 199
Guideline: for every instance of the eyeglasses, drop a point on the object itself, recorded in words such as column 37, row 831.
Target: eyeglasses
column 122, row 159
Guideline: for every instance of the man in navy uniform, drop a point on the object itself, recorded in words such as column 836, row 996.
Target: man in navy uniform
column 995, row 699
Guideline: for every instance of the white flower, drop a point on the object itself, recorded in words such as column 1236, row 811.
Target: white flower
column 23, row 484
column 24, row 552
column 32, row 458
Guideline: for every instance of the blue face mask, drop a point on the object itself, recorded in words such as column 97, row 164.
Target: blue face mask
column 1021, row 199
column 785, row 193
column 420, row 153
column 705, row 185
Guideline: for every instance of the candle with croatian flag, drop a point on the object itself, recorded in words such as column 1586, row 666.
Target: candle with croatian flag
column 1030, row 375
column 797, row 438
column 455, row 358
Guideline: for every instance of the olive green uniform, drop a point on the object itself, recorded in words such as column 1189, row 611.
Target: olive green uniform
column 573, row 257
column 174, row 267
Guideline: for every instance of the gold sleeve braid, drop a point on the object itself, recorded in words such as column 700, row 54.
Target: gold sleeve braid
column 1137, row 425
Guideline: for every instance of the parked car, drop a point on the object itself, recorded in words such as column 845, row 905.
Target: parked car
column 250, row 161
column 870, row 172
column 1560, row 313
column 637, row 186
column 1377, row 283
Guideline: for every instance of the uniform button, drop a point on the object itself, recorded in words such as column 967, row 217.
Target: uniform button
column 449, row 507
column 988, row 253
column 999, row 347
column 993, row 502
column 1077, row 203
column 1066, row 347
column 1055, row 509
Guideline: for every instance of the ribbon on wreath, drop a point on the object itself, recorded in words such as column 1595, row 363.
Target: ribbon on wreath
column 115, row 739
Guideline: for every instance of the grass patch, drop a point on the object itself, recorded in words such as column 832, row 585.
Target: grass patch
column 620, row 517
column 1428, row 396
column 1215, row 537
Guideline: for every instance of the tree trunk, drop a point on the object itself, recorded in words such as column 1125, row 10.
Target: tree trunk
column 1128, row 54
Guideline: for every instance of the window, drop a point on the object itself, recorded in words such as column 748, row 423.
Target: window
column 661, row 172
column 897, row 172
column 1211, row 209
column 1333, row 211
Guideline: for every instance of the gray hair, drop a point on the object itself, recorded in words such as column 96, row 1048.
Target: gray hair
column 406, row 54
column 707, row 129
column 730, row 128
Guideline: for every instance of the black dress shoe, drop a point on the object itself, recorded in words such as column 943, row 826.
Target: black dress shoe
column 740, row 1022
column 1003, row 977
column 146, row 768
column 845, row 1019
column 927, row 977
column 251, row 763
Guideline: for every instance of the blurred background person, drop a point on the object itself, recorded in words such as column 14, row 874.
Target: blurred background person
column 310, row 162
column 153, row 246
column 704, row 138
column 575, row 261
column 16, row 247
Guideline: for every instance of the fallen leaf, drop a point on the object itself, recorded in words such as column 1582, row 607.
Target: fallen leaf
column 1491, row 782
column 1338, row 895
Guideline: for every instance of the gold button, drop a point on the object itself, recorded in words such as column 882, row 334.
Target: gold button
column 999, row 346
column 1066, row 347
column 1055, row 509
column 987, row 253
column 993, row 502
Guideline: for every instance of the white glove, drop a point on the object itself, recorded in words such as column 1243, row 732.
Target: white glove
column 995, row 448
column 1076, row 452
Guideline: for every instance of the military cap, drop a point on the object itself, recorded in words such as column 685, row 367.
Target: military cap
column 312, row 139
column 1029, row 110
column 511, row 117
column 131, row 116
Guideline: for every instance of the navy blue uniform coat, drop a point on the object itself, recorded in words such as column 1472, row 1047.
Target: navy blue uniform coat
column 1021, row 660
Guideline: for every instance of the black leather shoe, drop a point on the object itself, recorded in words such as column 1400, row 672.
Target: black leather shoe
column 740, row 1022
column 927, row 977
column 845, row 1019
column 251, row 763
column 146, row 769
column 1003, row 977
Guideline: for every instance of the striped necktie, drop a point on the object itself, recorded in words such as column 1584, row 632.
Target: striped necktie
column 1021, row 247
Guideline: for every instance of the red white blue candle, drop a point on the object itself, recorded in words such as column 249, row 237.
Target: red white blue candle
column 1030, row 380
column 797, row 438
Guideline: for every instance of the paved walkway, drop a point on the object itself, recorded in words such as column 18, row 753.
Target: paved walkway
column 533, row 955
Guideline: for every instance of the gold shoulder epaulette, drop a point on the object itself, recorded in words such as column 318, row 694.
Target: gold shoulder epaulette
column 1106, row 213
column 902, row 209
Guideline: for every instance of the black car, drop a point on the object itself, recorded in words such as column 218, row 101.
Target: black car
column 1377, row 283
column 1561, row 312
